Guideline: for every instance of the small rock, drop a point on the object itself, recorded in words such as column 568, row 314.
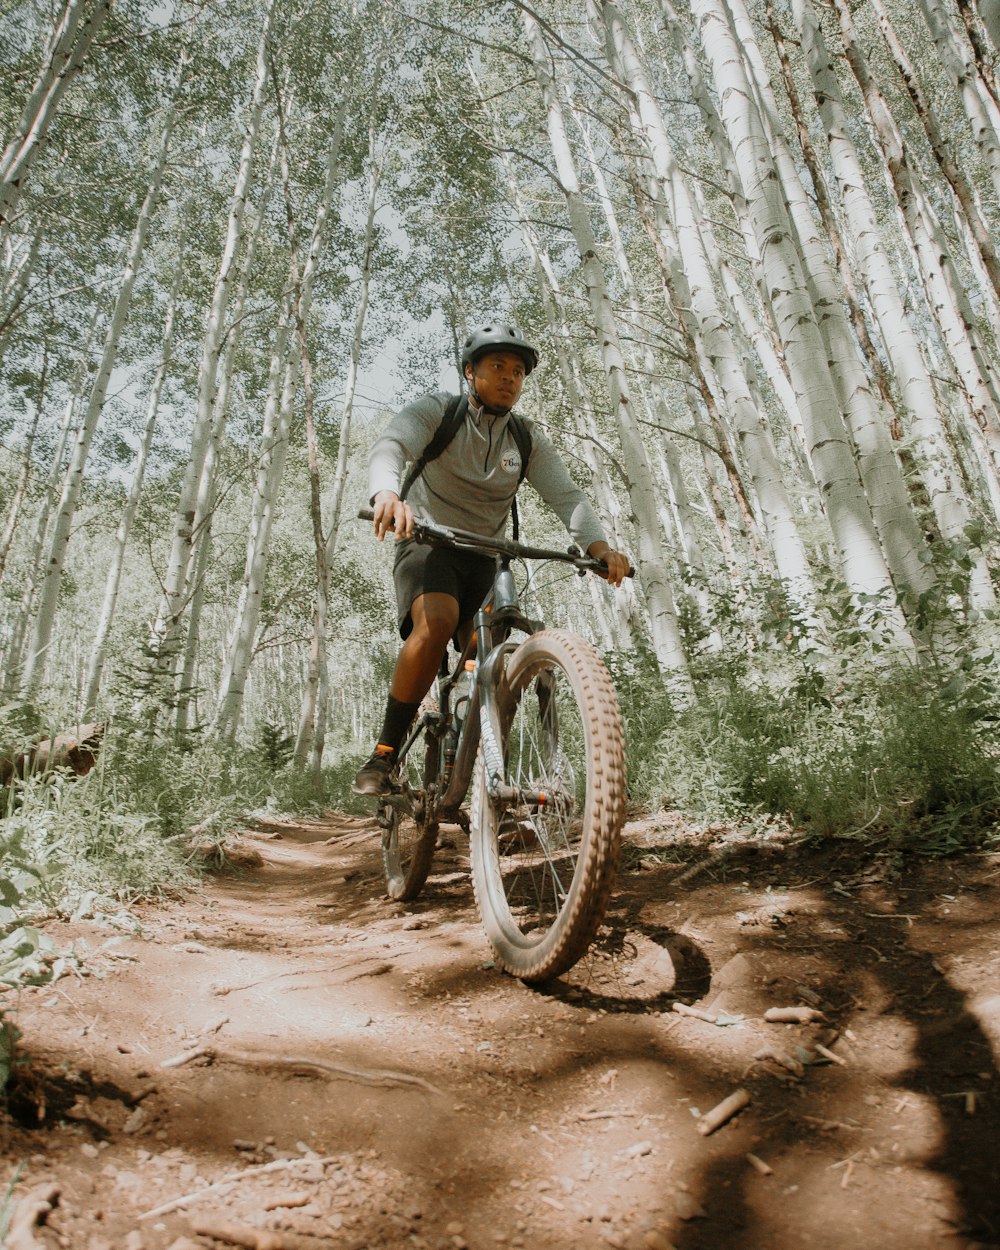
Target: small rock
column 134, row 1241
column 455, row 1229
column 136, row 1120
column 89, row 1150
column 688, row 1207
column 640, row 1148
column 297, row 1199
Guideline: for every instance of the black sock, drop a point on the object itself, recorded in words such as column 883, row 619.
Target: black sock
column 398, row 718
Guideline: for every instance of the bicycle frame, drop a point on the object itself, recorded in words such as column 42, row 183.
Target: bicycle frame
column 499, row 614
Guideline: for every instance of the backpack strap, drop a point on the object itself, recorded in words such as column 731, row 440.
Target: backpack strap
column 449, row 426
column 522, row 437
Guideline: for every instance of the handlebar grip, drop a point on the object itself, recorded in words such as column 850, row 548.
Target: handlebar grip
column 366, row 514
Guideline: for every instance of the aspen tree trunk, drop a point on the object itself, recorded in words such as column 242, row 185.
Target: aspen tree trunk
column 859, row 554
column 850, row 294
column 989, row 13
column 166, row 629
column 314, row 713
column 946, row 297
column 571, row 375
column 274, row 444
column 939, row 473
column 98, row 654
column 19, row 267
column 282, row 375
column 208, row 486
column 980, row 107
column 617, row 630
column 46, row 613
column 674, row 518
column 941, row 148
column 23, row 618
column 667, row 643
column 692, row 281
column 888, row 499
column 71, row 39
column 24, row 475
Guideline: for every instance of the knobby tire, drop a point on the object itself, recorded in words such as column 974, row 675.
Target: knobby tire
column 543, row 871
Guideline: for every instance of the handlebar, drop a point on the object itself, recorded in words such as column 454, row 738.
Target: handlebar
column 429, row 532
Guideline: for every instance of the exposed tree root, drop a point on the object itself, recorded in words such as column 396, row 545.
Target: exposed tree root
column 299, row 1063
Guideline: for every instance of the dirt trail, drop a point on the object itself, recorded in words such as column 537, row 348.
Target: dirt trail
column 366, row 1079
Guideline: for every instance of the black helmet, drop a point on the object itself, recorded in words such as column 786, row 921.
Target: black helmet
column 496, row 337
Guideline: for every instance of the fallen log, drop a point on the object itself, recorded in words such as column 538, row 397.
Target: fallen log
column 75, row 751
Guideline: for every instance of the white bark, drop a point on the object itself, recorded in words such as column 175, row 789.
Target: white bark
column 98, row 654
column 313, row 720
column 859, row 553
column 946, row 297
column 922, row 417
column 274, row 444
column 208, row 486
column 73, row 486
column 980, row 107
column 899, row 534
column 23, row 618
column 176, row 589
column 690, row 271
column 65, row 53
column 667, row 644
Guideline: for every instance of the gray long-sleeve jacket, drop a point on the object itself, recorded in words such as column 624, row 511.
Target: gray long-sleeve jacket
column 471, row 484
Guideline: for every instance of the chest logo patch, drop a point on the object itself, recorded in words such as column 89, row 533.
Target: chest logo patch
column 510, row 461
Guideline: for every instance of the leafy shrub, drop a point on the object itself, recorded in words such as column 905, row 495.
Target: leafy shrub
column 27, row 956
column 875, row 750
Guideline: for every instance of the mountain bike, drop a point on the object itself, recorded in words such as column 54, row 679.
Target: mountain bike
column 534, row 725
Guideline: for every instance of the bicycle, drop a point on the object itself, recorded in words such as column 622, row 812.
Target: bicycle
column 541, row 730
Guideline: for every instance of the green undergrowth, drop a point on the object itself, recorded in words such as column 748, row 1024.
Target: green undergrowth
column 874, row 750
column 144, row 823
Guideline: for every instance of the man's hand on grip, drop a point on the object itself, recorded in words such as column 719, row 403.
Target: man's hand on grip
column 392, row 515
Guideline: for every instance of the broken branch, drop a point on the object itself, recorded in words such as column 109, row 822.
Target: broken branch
column 723, row 1111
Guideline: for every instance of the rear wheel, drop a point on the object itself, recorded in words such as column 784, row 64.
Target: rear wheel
column 408, row 837
column 544, row 860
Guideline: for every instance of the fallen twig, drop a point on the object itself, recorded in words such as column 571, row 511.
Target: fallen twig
column 793, row 1015
column 723, row 1111
column 683, row 1009
column 253, row 1238
column 763, row 1168
column 370, row 1076
column 278, row 1165
column 828, row 1054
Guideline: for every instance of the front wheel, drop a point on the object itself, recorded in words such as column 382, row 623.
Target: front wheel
column 544, row 859
column 408, row 836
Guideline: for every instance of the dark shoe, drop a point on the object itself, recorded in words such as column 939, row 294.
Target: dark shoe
column 373, row 777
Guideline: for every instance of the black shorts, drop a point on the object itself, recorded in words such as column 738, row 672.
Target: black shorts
column 423, row 568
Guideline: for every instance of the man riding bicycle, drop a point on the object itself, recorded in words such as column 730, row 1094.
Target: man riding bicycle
column 469, row 485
